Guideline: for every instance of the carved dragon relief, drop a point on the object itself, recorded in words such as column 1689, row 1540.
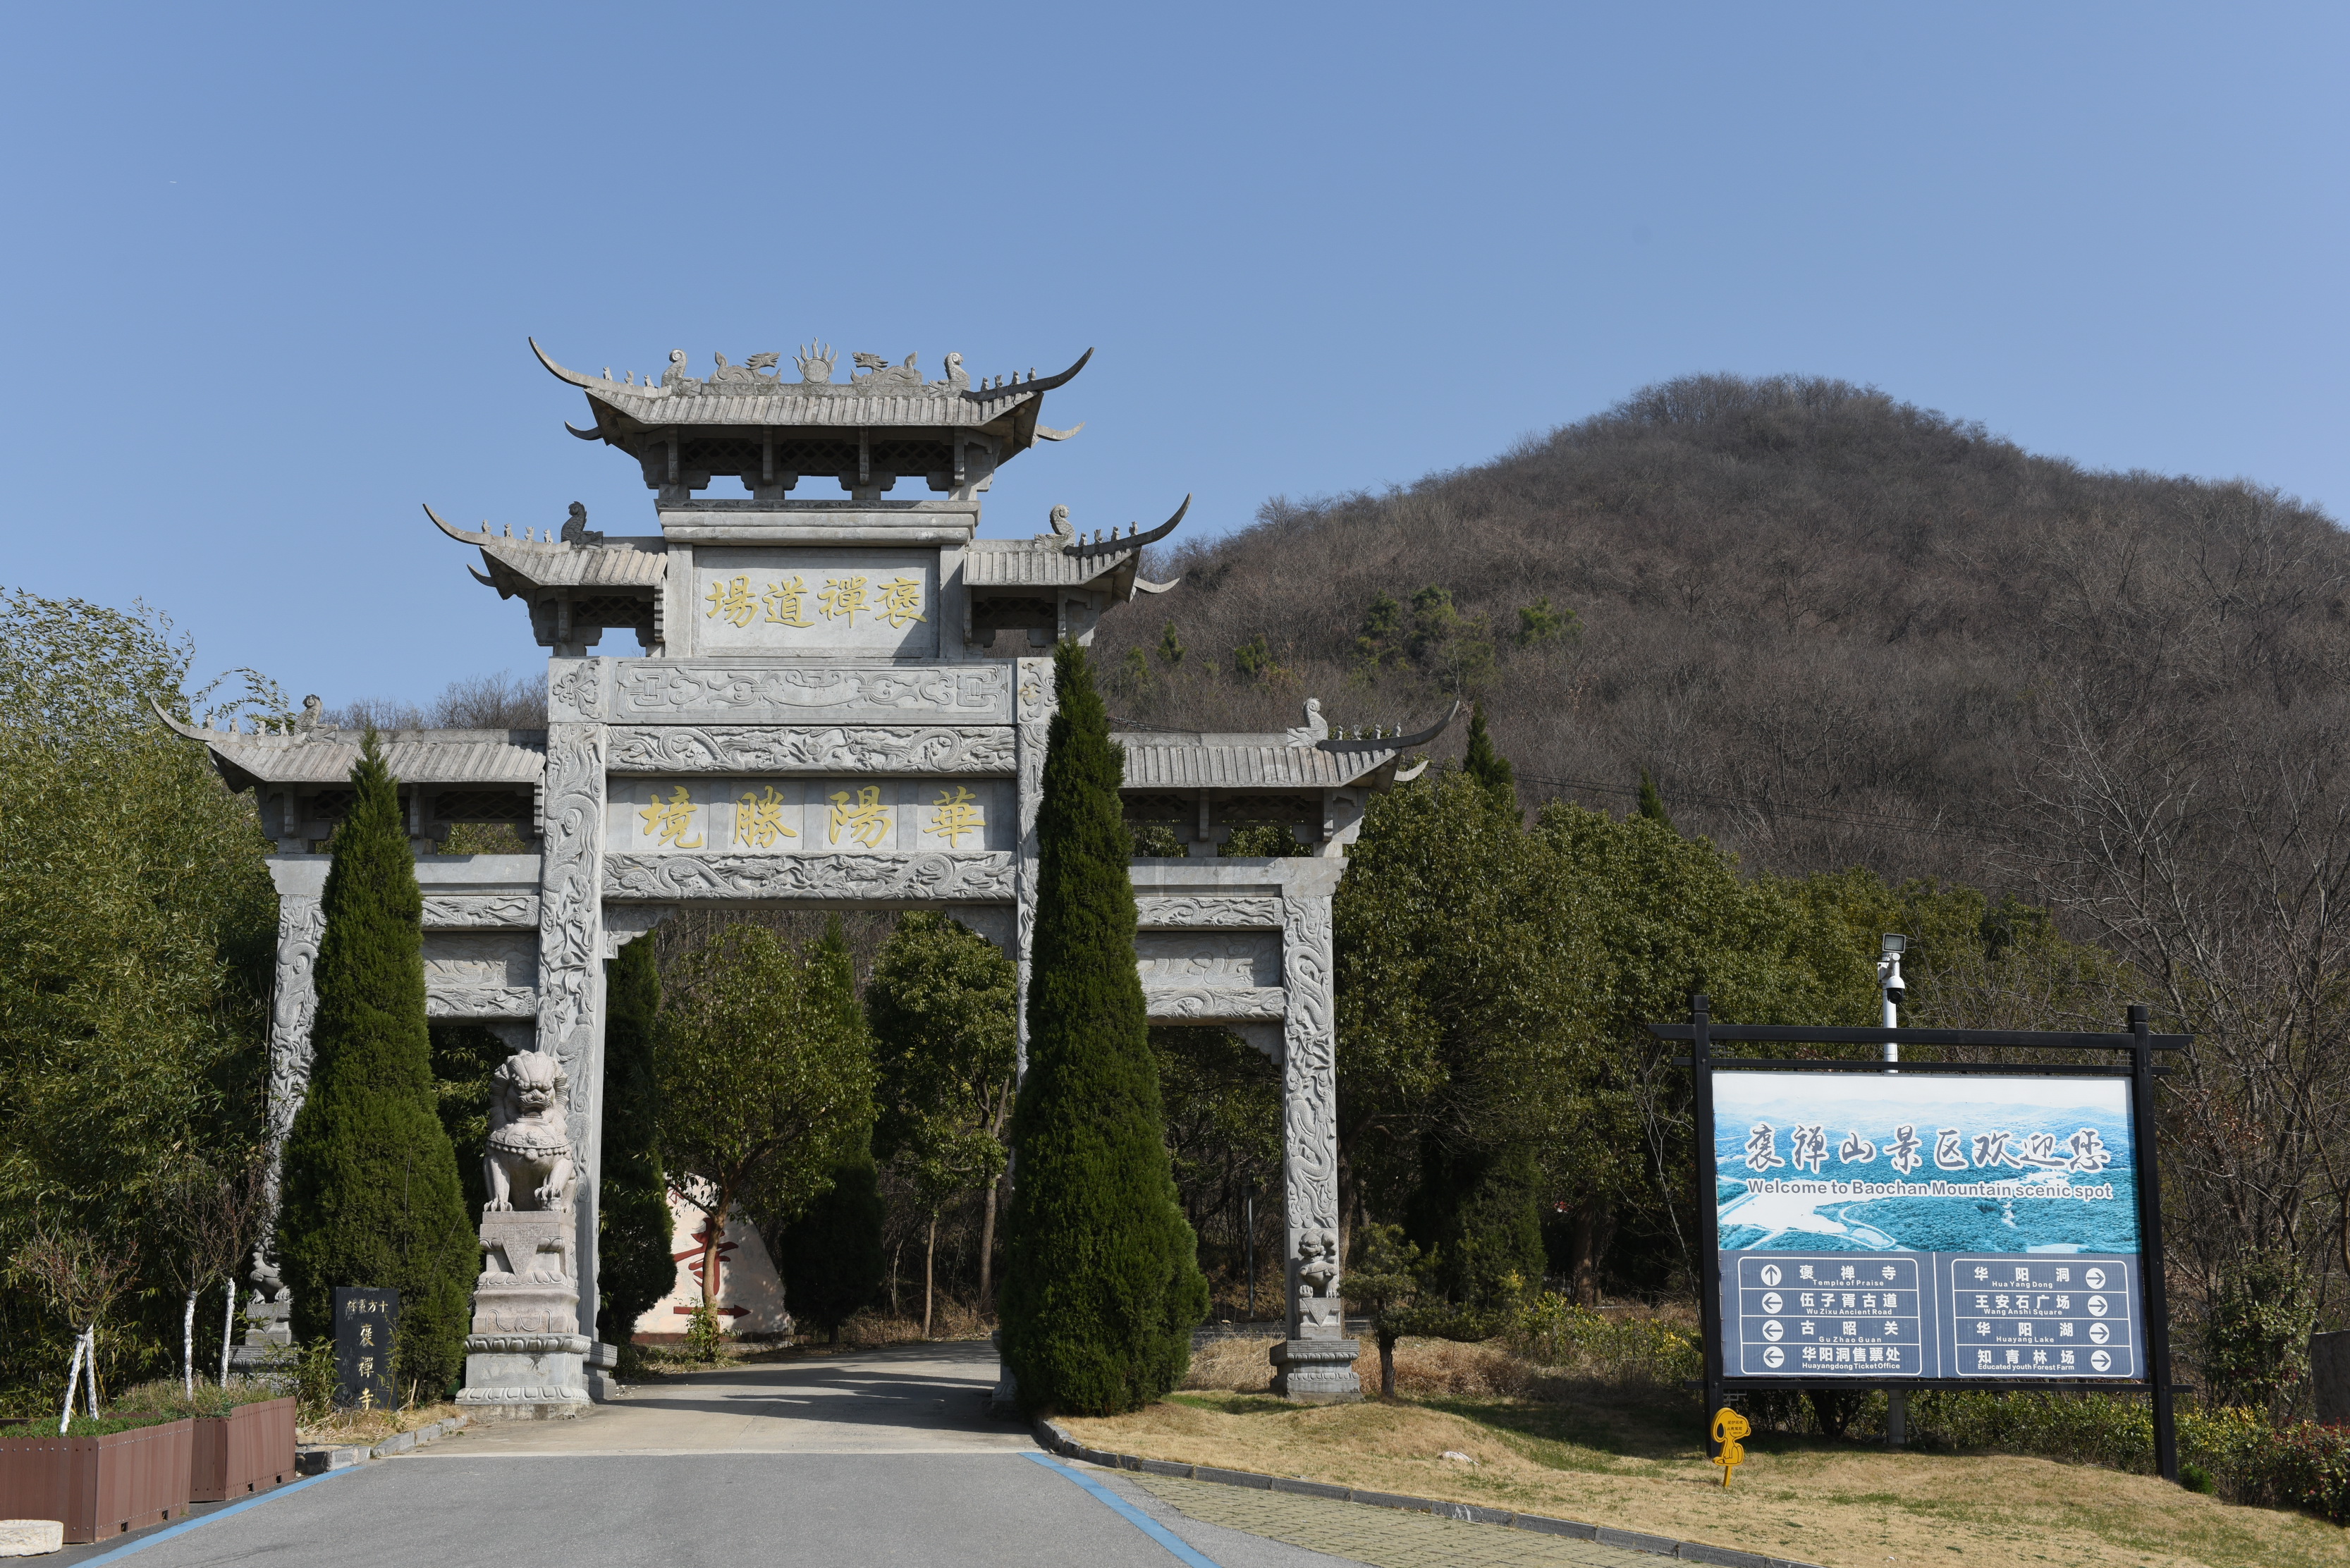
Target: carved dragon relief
column 481, row 1002
column 495, row 911
column 1309, row 1094
column 1214, row 1003
column 1037, row 703
column 293, row 1004
column 570, row 940
column 972, row 876
column 759, row 748
column 1190, row 911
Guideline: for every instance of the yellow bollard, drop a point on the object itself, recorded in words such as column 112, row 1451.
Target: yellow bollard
column 1729, row 1426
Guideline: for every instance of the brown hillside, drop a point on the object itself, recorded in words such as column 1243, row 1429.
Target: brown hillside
column 1837, row 628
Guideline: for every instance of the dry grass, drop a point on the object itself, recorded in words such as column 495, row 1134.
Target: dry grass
column 1632, row 1458
column 355, row 1427
column 1422, row 1367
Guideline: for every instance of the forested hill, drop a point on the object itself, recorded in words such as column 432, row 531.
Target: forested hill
column 1836, row 628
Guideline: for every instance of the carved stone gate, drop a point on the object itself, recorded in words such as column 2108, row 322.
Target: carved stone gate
column 839, row 702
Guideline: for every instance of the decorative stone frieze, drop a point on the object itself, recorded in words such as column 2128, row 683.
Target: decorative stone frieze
column 452, row 1003
column 496, row 911
column 1214, row 1004
column 975, row 876
column 704, row 691
column 1193, row 913
column 769, row 748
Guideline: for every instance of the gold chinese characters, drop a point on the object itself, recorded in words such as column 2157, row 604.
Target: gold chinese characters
column 863, row 817
column 955, row 812
column 854, row 817
column 783, row 601
column 760, row 821
column 672, row 819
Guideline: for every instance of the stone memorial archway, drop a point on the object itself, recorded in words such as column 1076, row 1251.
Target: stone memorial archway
column 839, row 701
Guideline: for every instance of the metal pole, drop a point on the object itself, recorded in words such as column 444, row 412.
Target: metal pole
column 1709, row 1238
column 1248, row 1209
column 1888, row 981
column 2145, row 1172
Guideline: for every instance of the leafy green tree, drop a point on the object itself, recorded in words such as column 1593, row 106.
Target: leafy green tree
column 942, row 1008
column 371, row 1192
column 138, row 922
column 1171, row 647
column 1539, row 624
column 1102, row 1285
column 766, row 1083
column 831, row 1257
column 634, row 1268
column 2254, row 1337
column 1457, row 1009
column 1384, row 1285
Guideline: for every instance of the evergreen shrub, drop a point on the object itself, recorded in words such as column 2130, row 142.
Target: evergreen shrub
column 634, row 1266
column 371, row 1192
column 1102, row 1285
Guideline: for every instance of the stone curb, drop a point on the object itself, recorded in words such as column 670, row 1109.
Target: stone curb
column 1053, row 1440
column 316, row 1459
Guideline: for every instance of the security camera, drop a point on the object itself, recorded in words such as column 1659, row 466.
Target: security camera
column 1888, row 968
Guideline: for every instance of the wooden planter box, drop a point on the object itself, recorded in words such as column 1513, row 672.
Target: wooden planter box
column 99, row 1487
column 249, row 1450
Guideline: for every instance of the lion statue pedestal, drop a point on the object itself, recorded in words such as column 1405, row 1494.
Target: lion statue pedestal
column 527, row 1357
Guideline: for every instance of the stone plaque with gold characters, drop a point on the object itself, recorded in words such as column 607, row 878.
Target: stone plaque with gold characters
column 366, row 1317
column 814, row 602
column 698, row 814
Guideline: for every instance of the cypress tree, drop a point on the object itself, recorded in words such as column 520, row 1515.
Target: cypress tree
column 635, row 1267
column 371, row 1195
column 1653, row 801
column 831, row 1257
column 1102, row 1285
column 1491, row 769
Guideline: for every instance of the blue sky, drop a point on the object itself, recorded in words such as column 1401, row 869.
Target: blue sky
column 270, row 269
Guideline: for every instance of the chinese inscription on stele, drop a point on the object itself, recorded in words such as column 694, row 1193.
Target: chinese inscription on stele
column 815, row 602
column 365, row 1321
column 721, row 815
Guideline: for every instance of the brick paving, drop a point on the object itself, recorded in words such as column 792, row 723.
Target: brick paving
column 1383, row 1537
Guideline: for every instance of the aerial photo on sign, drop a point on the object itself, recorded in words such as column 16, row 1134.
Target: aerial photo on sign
column 1913, row 1225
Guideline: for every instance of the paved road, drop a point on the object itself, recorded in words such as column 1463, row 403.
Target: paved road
column 875, row 1459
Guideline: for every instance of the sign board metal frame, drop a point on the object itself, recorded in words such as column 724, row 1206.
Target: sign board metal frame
column 2136, row 1047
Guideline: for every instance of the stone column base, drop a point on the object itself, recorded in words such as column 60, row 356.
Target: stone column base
column 1317, row 1371
column 1003, row 1401
column 525, row 1376
column 602, row 1387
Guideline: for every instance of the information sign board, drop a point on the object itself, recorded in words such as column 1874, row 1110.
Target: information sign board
column 1907, row 1225
column 1900, row 1223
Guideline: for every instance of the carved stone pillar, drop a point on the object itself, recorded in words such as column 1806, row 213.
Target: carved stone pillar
column 1316, row 1360
column 1034, row 705
column 293, row 1004
column 571, row 962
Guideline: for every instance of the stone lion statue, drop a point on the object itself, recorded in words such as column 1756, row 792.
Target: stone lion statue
column 530, row 1148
